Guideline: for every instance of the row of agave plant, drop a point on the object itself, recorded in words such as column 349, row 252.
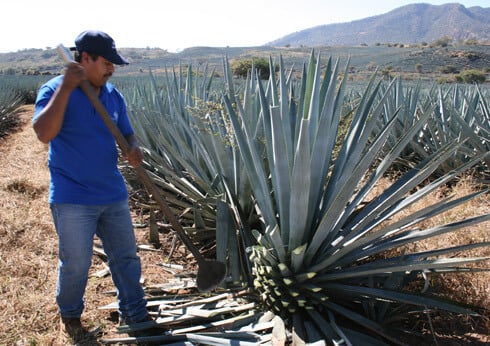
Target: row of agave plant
column 457, row 112
column 10, row 101
column 281, row 175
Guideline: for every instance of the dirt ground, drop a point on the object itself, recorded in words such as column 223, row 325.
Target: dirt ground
column 28, row 260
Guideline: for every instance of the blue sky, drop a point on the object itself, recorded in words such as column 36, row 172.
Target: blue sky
column 175, row 25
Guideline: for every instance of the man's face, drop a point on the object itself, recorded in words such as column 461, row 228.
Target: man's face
column 98, row 71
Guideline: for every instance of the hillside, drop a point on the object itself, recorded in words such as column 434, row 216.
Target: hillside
column 428, row 36
column 411, row 24
column 400, row 58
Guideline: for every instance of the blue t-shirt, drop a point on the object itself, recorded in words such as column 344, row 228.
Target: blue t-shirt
column 82, row 158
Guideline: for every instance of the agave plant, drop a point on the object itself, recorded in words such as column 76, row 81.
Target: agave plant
column 162, row 122
column 320, row 259
column 290, row 168
column 191, row 155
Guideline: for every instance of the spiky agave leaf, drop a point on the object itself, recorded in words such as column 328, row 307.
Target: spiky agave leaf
column 323, row 256
column 192, row 157
column 177, row 163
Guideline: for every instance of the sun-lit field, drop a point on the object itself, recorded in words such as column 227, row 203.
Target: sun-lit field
column 29, row 257
column 350, row 203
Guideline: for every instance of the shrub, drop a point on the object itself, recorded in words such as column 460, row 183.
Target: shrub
column 242, row 67
column 471, row 42
column 444, row 80
column 449, row 69
column 471, row 76
column 442, row 42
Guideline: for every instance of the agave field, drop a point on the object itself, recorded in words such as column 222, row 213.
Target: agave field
column 281, row 177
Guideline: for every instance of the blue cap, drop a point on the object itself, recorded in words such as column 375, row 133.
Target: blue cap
column 99, row 43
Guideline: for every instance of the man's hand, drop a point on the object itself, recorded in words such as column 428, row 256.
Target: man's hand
column 134, row 157
column 74, row 74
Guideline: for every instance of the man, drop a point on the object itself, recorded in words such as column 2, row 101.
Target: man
column 87, row 193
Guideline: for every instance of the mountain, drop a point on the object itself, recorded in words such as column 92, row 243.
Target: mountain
column 415, row 23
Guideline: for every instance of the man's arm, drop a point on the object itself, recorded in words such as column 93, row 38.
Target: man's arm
column 48, row 124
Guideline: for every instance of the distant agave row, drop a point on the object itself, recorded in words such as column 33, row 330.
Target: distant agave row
column 283, row 172
column 455, row 113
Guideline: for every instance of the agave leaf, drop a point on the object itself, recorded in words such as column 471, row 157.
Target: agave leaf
column 405, row 266
column 400, row 297
column 388, row 159
column 324, row 142
column 298, row 212
column 281, row 170
column 275, row 238
column 416, row 257
column 327, row 228
column 324, row 326
column 297, row 258
column 310, row 82
column 411, row 236
column 287, row 112
column 373, row 214
column 222, row 223
column 253, row 165
column 360, row 320
column 372, row 237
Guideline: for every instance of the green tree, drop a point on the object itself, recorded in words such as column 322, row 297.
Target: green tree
column 242, row 67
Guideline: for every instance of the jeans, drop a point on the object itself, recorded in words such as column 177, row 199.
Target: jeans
column 76, row 226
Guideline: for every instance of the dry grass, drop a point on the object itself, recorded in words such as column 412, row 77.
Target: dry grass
column 29, row 257
column 472, row 289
